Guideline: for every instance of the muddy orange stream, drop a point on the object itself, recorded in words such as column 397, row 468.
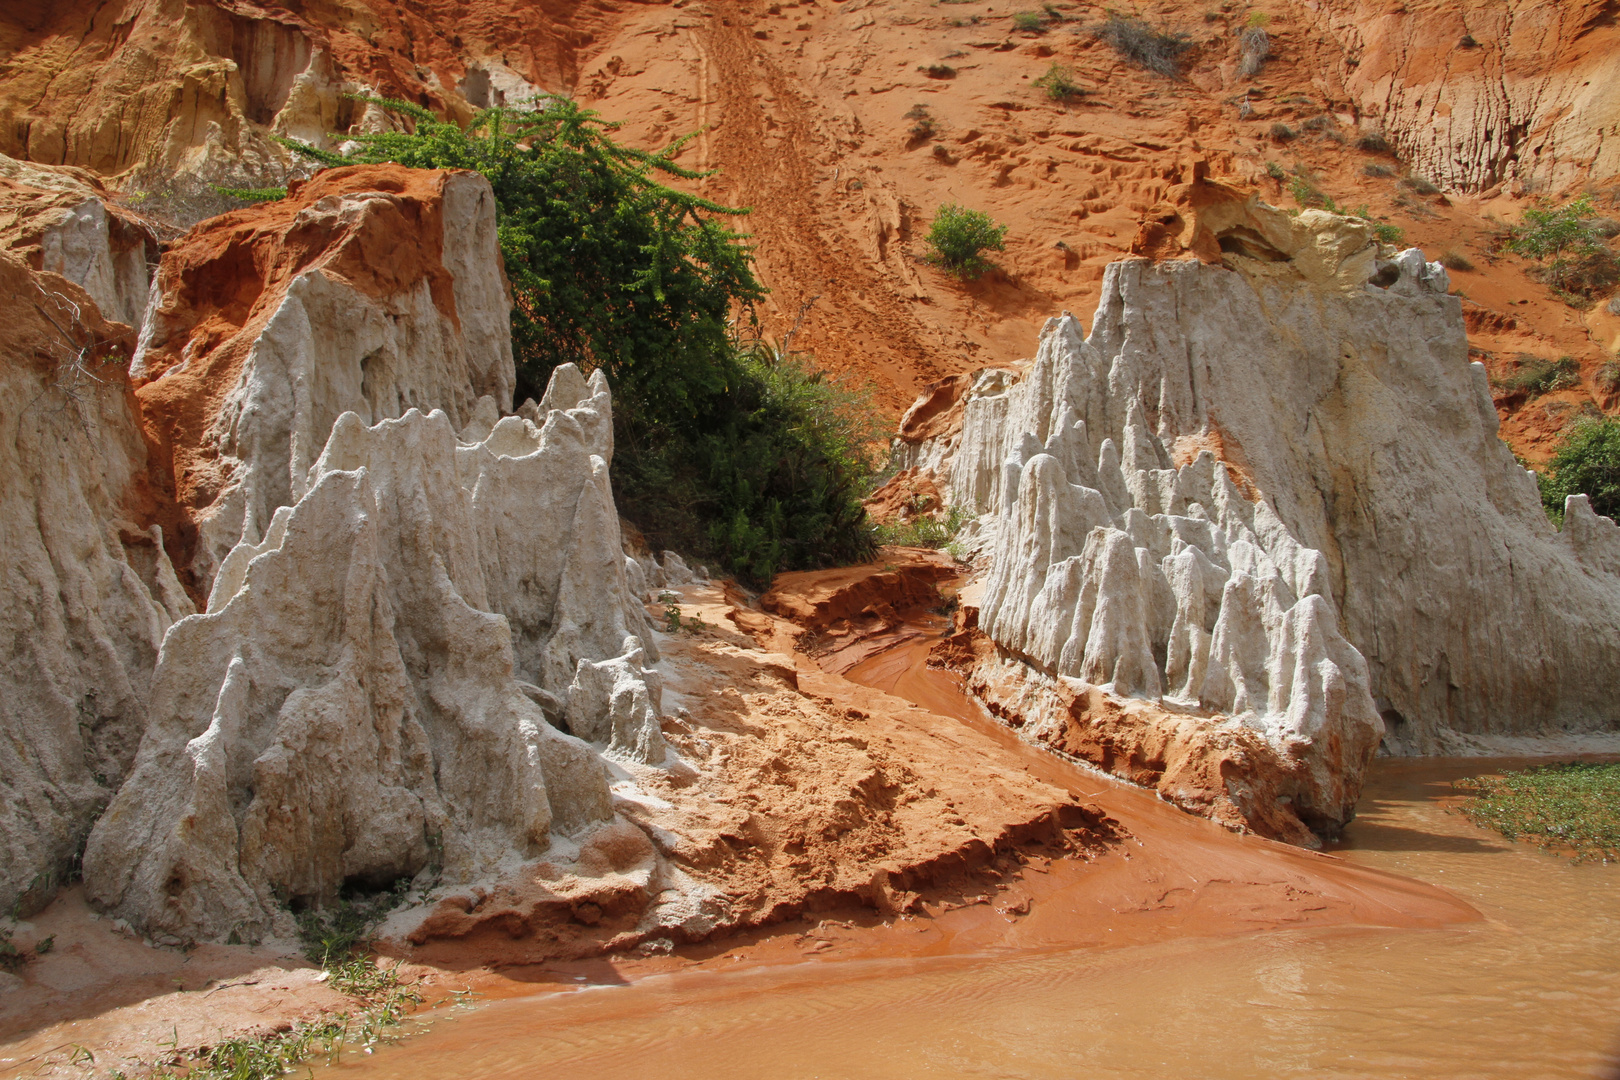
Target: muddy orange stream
column 1432, row 990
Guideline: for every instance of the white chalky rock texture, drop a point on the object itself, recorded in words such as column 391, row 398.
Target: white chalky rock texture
column 330, row 347
column 1391, row 563
column 85, row 595
column 367, row 694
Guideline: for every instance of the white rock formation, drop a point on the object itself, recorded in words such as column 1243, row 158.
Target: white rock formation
column 85, row 595
column 366, row 696
column 1363, row 507
column 331, row 347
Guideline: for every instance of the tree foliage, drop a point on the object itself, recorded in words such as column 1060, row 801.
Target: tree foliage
column 1577, row 260
column 610, row 267
column 1587, row 463
column 742, row 455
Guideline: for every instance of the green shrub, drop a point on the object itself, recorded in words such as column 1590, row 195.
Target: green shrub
column 1574, row 806
column 959, row 236
column 1027, row 22
column 925, row 531
column 1537, row 375
column 719, row 452
column 1282, row 132
column 1575, row 259
column 924, row 126
column 766, row 478
column 1142, row 45
column 1059, row 84
column 1587, row 463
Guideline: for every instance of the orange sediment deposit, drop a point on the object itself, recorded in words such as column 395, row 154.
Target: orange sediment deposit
column 859, row 804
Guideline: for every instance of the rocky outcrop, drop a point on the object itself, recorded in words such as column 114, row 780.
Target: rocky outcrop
column 372, row 289
column 86, row 593
column 1271, row 493
column 1484, row 95
column 366, row 696
column 409, row 598
column 63, row 221
column 205, row 88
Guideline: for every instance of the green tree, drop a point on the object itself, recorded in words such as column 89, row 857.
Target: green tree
column 610, row 267
column 741, row 454
column 1587, row 463
column 959, row 235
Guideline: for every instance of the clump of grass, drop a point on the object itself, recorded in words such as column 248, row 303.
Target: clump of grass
column 1281, row 132
column 1420, row 184
column 1142, row 45
column 1028, row 22
column 925, row 531
column 1373, row 142
column 924, row 126
column 1377, row 171
column 1319, row 124
column 937, row 71
column 334, row 933
column 1275, row 171
column 1058, row 83
column 959, row 237
column 1573, row 806
column 1536, row 375
column 1456, row 260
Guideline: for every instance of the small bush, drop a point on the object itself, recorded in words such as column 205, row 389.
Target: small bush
column 1421, row 185
column 1607, row 378
column 1603, row 227
column 1281, row 132
column 1536, row 375
column 959, row 236
column 1059, row 84
column 938, row 71
column 1307, row 194
column 924, row 126
column 1377, row 171
column 1275, row 171
column 925, row 531
column 1028, row 22
column 1316, row 125
column 1614, row 305
column 1456, row 260
column 1255, row 46
column 1373, row 142
column 1577, row 262
column 1587, row 463
column 1142, row 45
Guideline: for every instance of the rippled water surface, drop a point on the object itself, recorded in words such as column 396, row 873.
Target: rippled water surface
column 1532, row 992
